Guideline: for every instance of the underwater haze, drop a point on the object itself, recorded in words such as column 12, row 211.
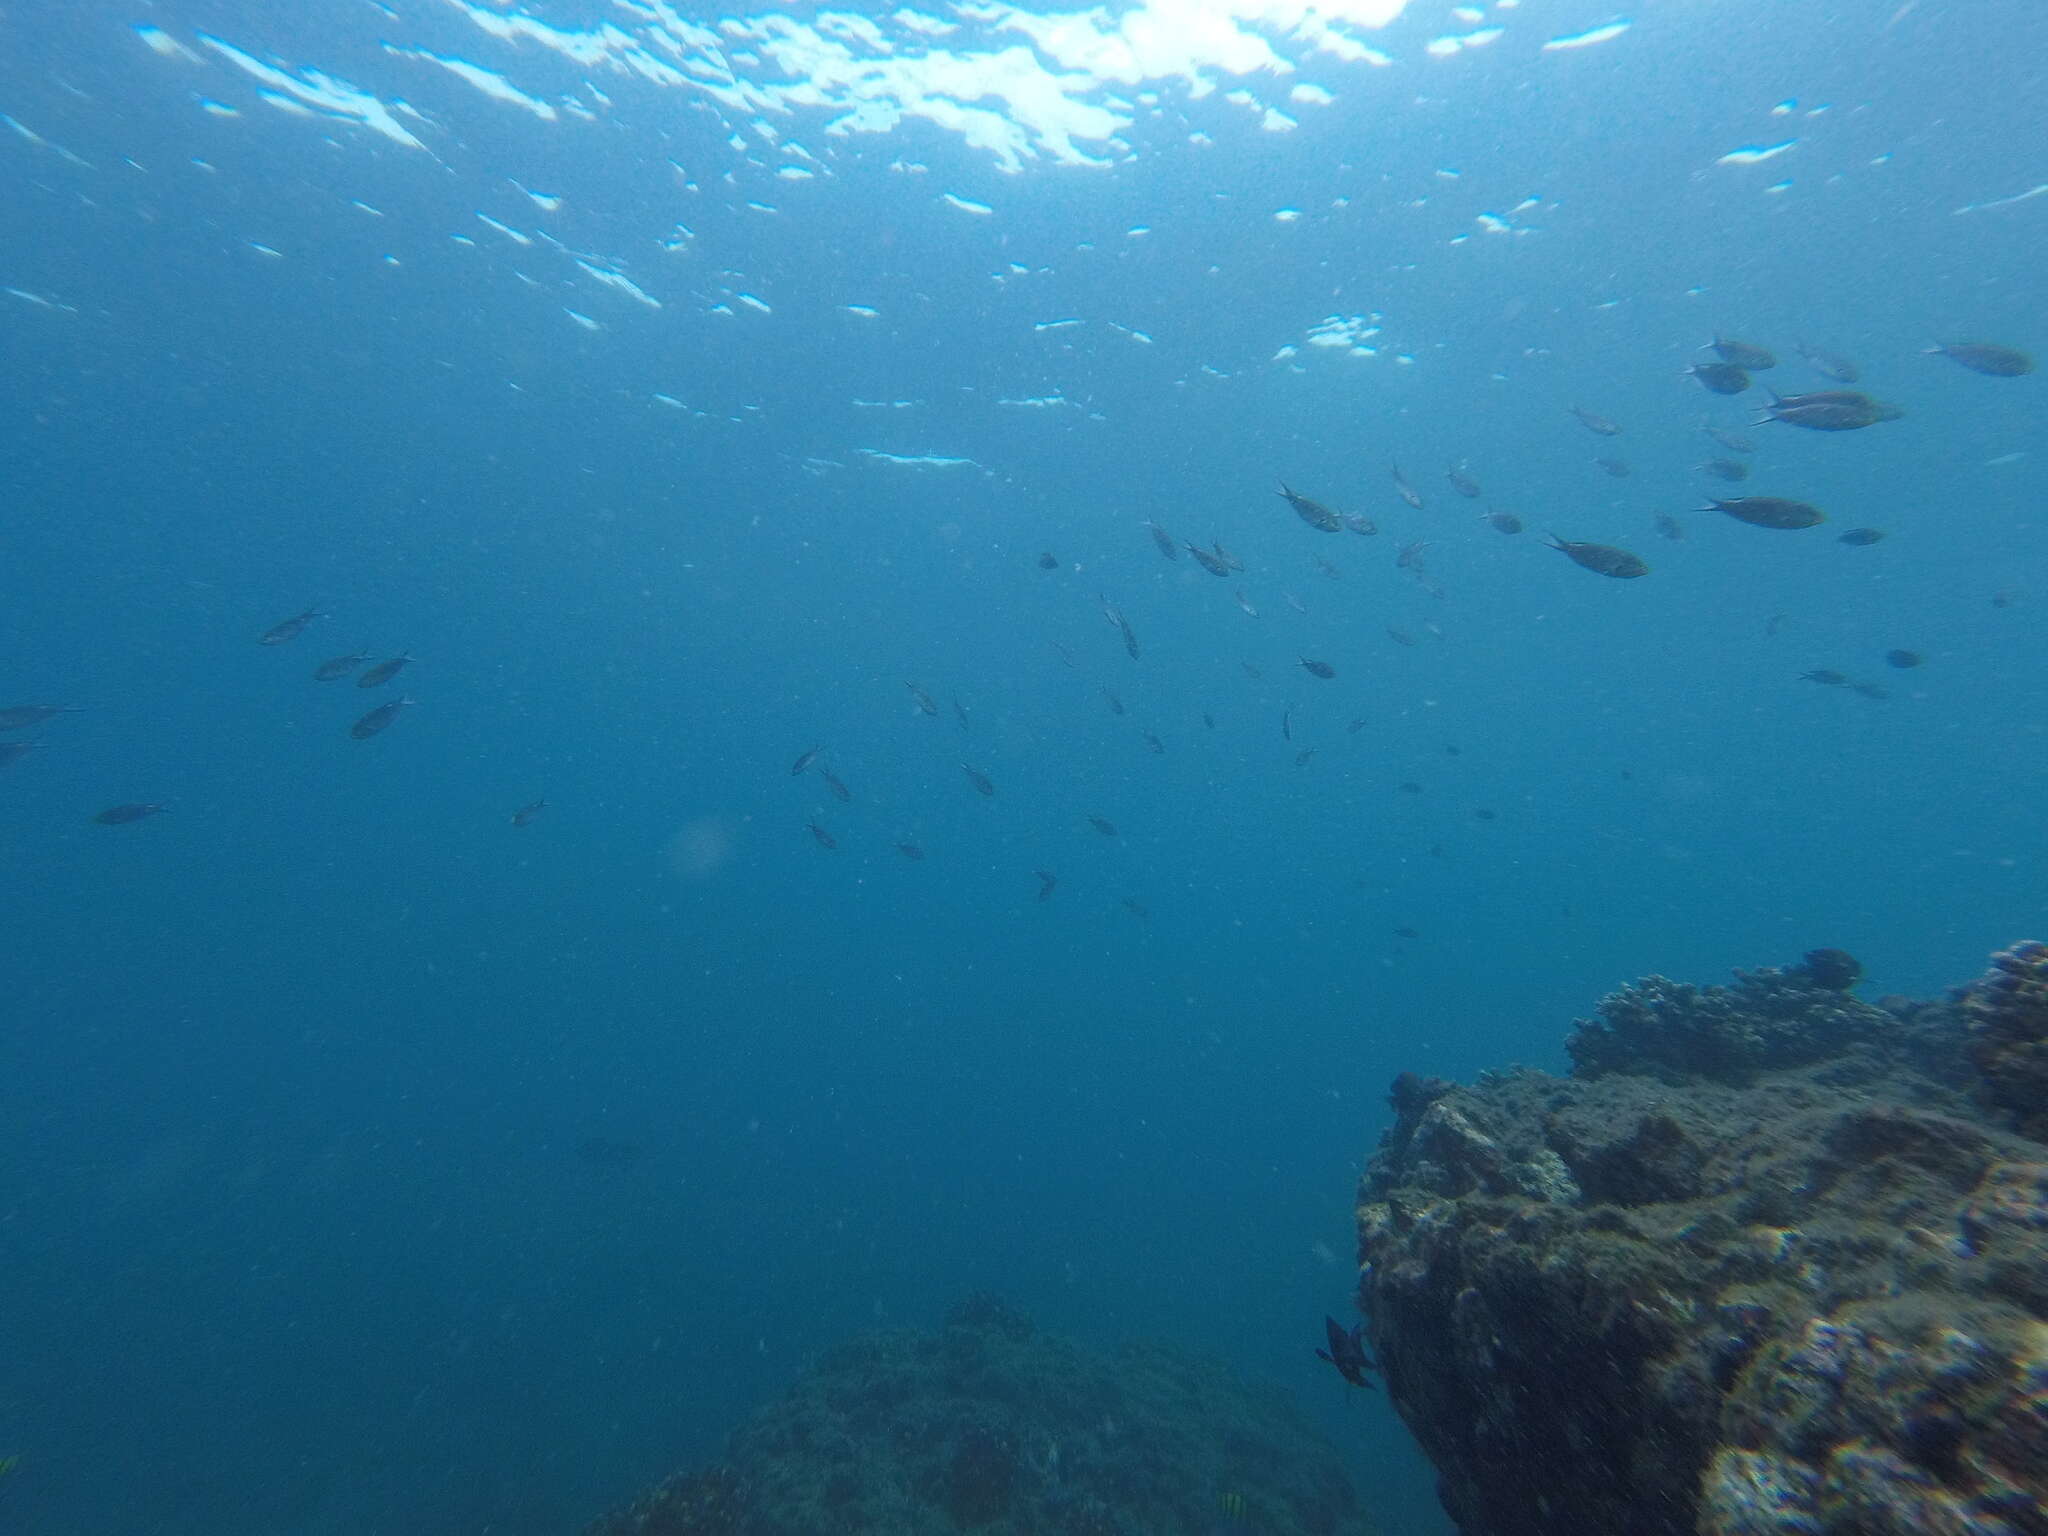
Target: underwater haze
column 450, row 1116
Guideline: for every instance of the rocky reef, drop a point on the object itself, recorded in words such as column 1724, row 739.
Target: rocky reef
column 988, row 1425
column 1771, row 1261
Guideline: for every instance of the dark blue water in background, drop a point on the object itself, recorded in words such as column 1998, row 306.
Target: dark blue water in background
column 298, row 1082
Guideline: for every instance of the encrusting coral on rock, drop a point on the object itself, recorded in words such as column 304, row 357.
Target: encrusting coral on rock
column 990, row 1426
column 1772, row 1261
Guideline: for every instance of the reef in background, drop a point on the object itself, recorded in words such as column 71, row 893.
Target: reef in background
column 989, row 1426
column 1771, row 1262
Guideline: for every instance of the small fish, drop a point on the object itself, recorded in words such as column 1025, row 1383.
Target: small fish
column 1320, row 669
column 1406, row 933
column 1410, row 557
column 1618, row 468
column 1155, row 744
column 1403, row 489
column 378, row 718
column 1327, row 569
column 1904, row 660
column 1347, row 1350
column 1226, row 556
column 960, row 714
column 1314, row 513
column 1983, row 357
column 925, row 703
column 1503, row 522
column 1593, row 423
column 383, row 672
column 978, row 779
column 1768, row 511
column 339, row 667
column 1208, row 562
column 289, row 629
column 1775, row 623
column 804, row 760
column 1046, row 881
column 1208, row 720
column 1829, row 365
column 1734, row 442
column 16, row 717
column 1251, row 671
column 1356, row 726
column 1287, row 725
column 1409, row 787
column 1461, row 482
column 1827, row 677
column 824, row 839
column 1483, row 814
column 1301, row 758
column 1720, row 378
column 523, row 817
column 1295, row 603
column 1063, row 653
column 1871, row 690
column 1829, row 410
column 12, row 752
column 839, row 791
column 1669, row 527
column 1048, row 561
column 120, row 815
column 1724, row 469
column 1116, row 705
column 1360, row 524
column 1246, row 603
column 1399, row 636
column 1137, row 909
column 1603, row 559
column 1106, row 828
column 1744, row 354
column 1162, row 539
column 1860, row 537
column 1121, row 624
column 910, row 851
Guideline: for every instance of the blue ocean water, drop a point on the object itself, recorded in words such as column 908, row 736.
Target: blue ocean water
column 676, row 393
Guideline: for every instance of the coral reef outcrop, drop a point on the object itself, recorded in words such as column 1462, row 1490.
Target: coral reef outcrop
column 990, row 1426
column 1772, row 1261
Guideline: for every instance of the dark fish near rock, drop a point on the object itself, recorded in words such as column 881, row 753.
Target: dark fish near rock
column 1592, row 423
column 1830, row 365
column 1462, row 483
column 1106, row 828
column 1719, row 378
column 383, row 672
column 1320, row 669
column 925, row 703
column 378, row 718
column 1347, row 1352
column 1404, row 490
column 1724, row 469
column 1903, row 660
column 338, row 667
column 1162, row 539
column 1983, row 357
column 1046, row 881
column 524, row 816
column 804, row 760
column 1618, row 468
column 16, row 717
column 1768, row 511
column 1208, row 562
column 1602, row 559
column 978, row 779
column 1314, row 513
column 1860, row 537
column 1503, row 522
column 823, row 838
column 1744, row 354
column 289, row 629
column 1669, row 527
column 1829, row 410
column 120, row 815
